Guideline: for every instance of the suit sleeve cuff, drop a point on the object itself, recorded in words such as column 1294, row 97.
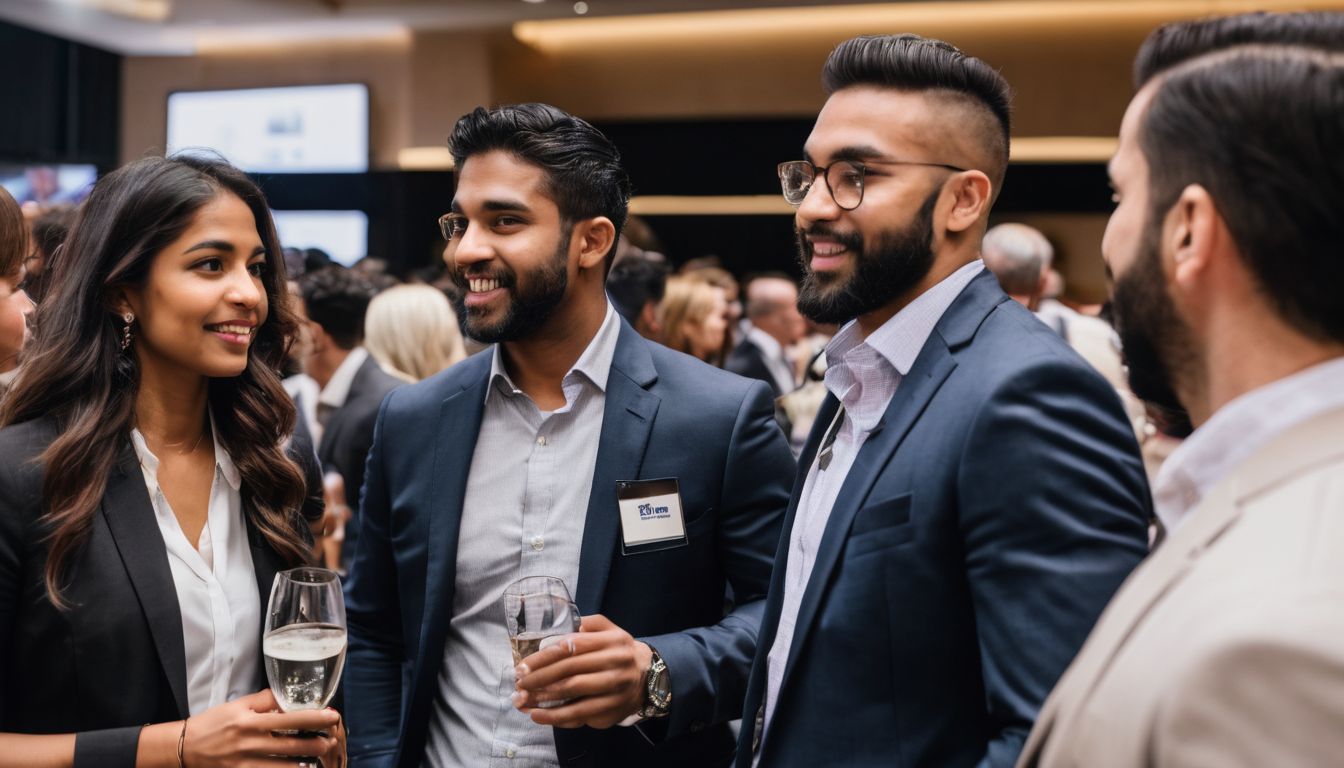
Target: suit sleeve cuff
column 111, row 748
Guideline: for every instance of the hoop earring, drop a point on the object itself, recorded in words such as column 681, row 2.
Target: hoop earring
column 127, row 318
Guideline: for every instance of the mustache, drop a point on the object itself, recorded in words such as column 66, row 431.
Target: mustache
column 851, row 240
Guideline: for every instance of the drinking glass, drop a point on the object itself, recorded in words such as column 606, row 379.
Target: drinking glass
column 304, row 640
column 536, row 608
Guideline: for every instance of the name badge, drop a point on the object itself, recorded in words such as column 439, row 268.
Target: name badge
column 651, row 517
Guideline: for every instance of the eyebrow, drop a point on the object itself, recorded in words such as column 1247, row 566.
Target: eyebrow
column 852, row 154
column 222, row 245
column 496, row 206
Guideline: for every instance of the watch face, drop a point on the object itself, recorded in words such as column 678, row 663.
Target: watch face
column 661, row 690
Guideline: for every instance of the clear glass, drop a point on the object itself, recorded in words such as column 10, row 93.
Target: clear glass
column 305, row 639
column 535, row 608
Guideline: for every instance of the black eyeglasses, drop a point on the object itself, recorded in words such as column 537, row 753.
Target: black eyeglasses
column 452, row 226
column 844, row 179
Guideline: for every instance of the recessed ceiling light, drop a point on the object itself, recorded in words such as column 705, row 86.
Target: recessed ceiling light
column 580, row 7
column 534, row 2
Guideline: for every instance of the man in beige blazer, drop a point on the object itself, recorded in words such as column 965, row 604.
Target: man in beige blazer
column 1226, row 647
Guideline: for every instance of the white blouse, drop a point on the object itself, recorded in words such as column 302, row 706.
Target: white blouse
column 216, row 586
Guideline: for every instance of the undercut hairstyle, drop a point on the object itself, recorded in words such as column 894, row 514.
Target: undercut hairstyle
column 76, row 373
column 337, row 299
column 1219, row 121
column 1017, row 255
column 583, row 170
column 1180, row 41
column 912, row 63
column 13, row 236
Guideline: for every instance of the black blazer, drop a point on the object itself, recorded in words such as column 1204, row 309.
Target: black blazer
column 114, row 660
column 347, row 436
column 748, row 360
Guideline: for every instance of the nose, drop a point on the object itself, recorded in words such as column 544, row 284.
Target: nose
column 817, row 205
column 26, row 306
column 245, row 289
column 472, row 247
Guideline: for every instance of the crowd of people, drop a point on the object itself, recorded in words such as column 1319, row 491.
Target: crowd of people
column 908, row 510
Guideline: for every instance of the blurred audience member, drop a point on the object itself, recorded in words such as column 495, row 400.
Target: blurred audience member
column 315, row 259
column 351, row 384
column 694, row 318
column 776, row 326
column 294, row 263
column 635, row 285
column 411, row 330
column 50, row 228
column 723, row 280
column 15, row 305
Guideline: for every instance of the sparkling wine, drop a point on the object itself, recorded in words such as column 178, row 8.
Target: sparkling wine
column 303, row 663
column 526, row 644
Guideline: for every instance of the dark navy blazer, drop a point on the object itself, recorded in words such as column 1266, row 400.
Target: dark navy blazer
column 666, row 415
column 975, row 541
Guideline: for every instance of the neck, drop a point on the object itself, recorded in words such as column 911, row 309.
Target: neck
column 538, row 364
column 943, row 266
column 322, row 366
column 170, row 409
column 1237, row 362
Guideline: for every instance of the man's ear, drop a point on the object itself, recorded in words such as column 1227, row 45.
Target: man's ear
column 1191, row 235
column 971, row 192
column 595, row 237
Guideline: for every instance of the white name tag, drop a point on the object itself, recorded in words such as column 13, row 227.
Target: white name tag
column 651, row 515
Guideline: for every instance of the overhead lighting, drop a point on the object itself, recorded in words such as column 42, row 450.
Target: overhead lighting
column 307, row 36
column 425, row 159
column 841, row 21
column 1063, row 149
column 141, row 10
column 709, row 205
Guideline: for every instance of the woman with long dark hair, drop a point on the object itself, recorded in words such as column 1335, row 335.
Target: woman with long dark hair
column 146, row 501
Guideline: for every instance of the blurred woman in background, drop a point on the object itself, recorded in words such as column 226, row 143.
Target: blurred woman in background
column 145, row 501
column 412, row 332
column 14, row 303
column 694, row 318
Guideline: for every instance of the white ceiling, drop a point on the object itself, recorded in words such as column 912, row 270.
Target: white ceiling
column 177, row 27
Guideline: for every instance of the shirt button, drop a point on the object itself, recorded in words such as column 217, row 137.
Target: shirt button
column 509, row 753
column 541, row 440
column 538, row 543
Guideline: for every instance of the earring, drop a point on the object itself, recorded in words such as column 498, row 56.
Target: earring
column 127, row 318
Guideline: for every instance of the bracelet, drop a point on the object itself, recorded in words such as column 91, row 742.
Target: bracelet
column 181, row 745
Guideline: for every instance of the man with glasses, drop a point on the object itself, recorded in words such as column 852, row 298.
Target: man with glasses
column 972, row 493
column 647, row 481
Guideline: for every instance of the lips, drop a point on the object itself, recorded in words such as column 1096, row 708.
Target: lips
column 233, row 333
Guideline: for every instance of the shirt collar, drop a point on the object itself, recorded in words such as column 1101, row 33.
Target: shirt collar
column 594, row 364
column 1239, row 429
column 337, row 390
column 223, row 462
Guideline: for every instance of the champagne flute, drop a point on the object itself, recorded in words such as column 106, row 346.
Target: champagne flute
column 537, row 608
column 304, row 638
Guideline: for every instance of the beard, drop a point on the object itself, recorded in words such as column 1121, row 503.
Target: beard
column 1155, row 342
column 896, row 262
column 532, row 301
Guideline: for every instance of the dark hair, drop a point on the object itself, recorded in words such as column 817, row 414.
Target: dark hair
column 1179, row 41
column 633, row 282
column 583, row 169
column 75, row 372
column 1219, row 121
column 337, row 299
column 13, row 236
column 913, row 63
column 50, row 229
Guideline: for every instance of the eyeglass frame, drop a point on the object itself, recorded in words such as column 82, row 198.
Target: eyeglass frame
column 445, row 219
column 862, row 166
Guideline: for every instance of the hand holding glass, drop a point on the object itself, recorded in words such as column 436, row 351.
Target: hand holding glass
column 536, row 608
column 304, row 641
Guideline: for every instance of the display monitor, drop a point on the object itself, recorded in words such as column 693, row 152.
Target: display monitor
column 343, row 235
column 298, row 129
column 47, row 183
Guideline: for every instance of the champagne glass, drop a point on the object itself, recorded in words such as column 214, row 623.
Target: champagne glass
column 304, row 639
column 537, row 608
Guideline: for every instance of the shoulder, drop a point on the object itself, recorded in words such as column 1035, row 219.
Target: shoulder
column 682, row 375
column 423, row 399
column 21, row 446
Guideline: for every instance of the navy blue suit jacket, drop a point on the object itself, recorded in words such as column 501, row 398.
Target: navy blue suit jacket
column 666, row 415
column 975, row 541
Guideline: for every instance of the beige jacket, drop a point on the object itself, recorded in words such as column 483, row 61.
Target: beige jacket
column 1226, row 647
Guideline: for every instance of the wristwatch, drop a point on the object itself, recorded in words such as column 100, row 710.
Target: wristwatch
column 657, row 689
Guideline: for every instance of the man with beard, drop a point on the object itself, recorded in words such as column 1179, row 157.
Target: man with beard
column 973, row 493
column 646, row 481
column 1223, row 648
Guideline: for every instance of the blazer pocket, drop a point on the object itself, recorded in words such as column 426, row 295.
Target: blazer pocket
column 879, row 526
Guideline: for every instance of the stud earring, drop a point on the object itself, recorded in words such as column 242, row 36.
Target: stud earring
column 127, row 318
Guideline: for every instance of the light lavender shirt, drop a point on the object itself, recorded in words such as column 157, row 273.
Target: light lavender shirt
column 523, row 515
column 1239, row 429
column 863, row 374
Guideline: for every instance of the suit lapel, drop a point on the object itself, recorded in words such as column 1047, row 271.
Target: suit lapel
column 930, row 369
column 1295, row 451
column 130, row 518
column 459, row 426
column 627, row 420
